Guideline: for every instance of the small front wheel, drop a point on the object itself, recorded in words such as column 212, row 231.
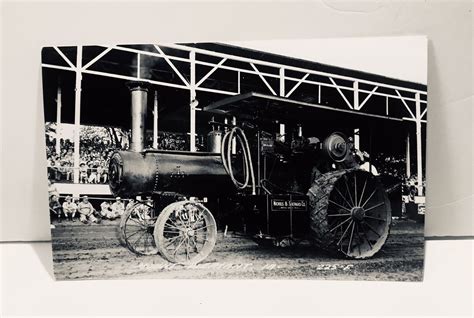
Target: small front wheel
column 185, row 232
column 136, row 229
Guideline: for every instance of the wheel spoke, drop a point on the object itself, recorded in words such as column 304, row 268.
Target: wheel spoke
column 340, row 224
column 172, row 231
column 374, row 218
column 187, row 249
column 204, row 227
column 200, row 217
column 350, row 240
column 370, row 197
column 355, row 188
column 365, row 235
column 139, row 223
column 145, row 243
column 348, row 191
column 337, row 204
column 345, row 232
column 195, row 244
column 179, row 245
column 345, row 214
column 174, row 222
column 172, row 226
column 172, row 240
column 339, row 192
column 138, row 240
column 375, row 206
column 358, row 236
column 372, row 229
column 127, row 237
column 362, row 194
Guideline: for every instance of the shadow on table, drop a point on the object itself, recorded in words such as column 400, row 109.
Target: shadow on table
column 45, row 254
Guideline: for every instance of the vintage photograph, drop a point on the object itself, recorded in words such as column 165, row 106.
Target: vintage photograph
column 237, row 160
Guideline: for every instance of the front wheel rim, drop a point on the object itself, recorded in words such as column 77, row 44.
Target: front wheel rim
column 185, row 233
column 137, row 230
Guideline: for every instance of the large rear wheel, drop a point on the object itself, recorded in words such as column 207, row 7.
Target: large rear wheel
column 350, row 213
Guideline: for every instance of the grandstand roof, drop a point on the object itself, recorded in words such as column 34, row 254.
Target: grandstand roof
column 105, row 99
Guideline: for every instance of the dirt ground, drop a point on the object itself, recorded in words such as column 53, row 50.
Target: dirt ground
column 94, row 252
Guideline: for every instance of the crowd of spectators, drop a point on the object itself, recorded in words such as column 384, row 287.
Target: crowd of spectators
column 392, row 165
column 96, row 147
column 73, row 208
column 174, row 141
column 395, row 166
column 95, row 150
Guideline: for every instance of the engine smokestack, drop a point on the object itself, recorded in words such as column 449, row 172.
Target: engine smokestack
column 139, row 95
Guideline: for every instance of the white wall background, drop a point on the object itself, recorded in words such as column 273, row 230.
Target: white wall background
column 404, row 58
column 27, row 26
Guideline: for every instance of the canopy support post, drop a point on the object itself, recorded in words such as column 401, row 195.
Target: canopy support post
column 77, row 113
column 356, row 95
column 319, row 94
column 357, row 138
column 282, row 132
column 407, row 160
column 282, row 82
column 192, row 105
column 58, row 120
column 419, row 162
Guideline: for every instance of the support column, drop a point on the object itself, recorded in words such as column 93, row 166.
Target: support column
column 407, row 159
column 155, row 121
column 357, row 138
column 282, row 82
column 192, row 102
column 282, row 132
column 77, row 113
column 58, row 120
column 238, row 82
column 356, row 95
column 419, row 162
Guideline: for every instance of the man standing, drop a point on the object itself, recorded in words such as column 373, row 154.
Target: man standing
column 69, row 209
column 86, row 211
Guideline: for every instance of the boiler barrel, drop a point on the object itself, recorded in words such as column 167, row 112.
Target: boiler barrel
column 187, row 173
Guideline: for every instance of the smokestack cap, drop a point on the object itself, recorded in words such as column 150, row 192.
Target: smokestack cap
column 137, row 85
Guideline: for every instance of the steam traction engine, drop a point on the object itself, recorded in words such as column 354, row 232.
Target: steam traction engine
column 284, row 191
